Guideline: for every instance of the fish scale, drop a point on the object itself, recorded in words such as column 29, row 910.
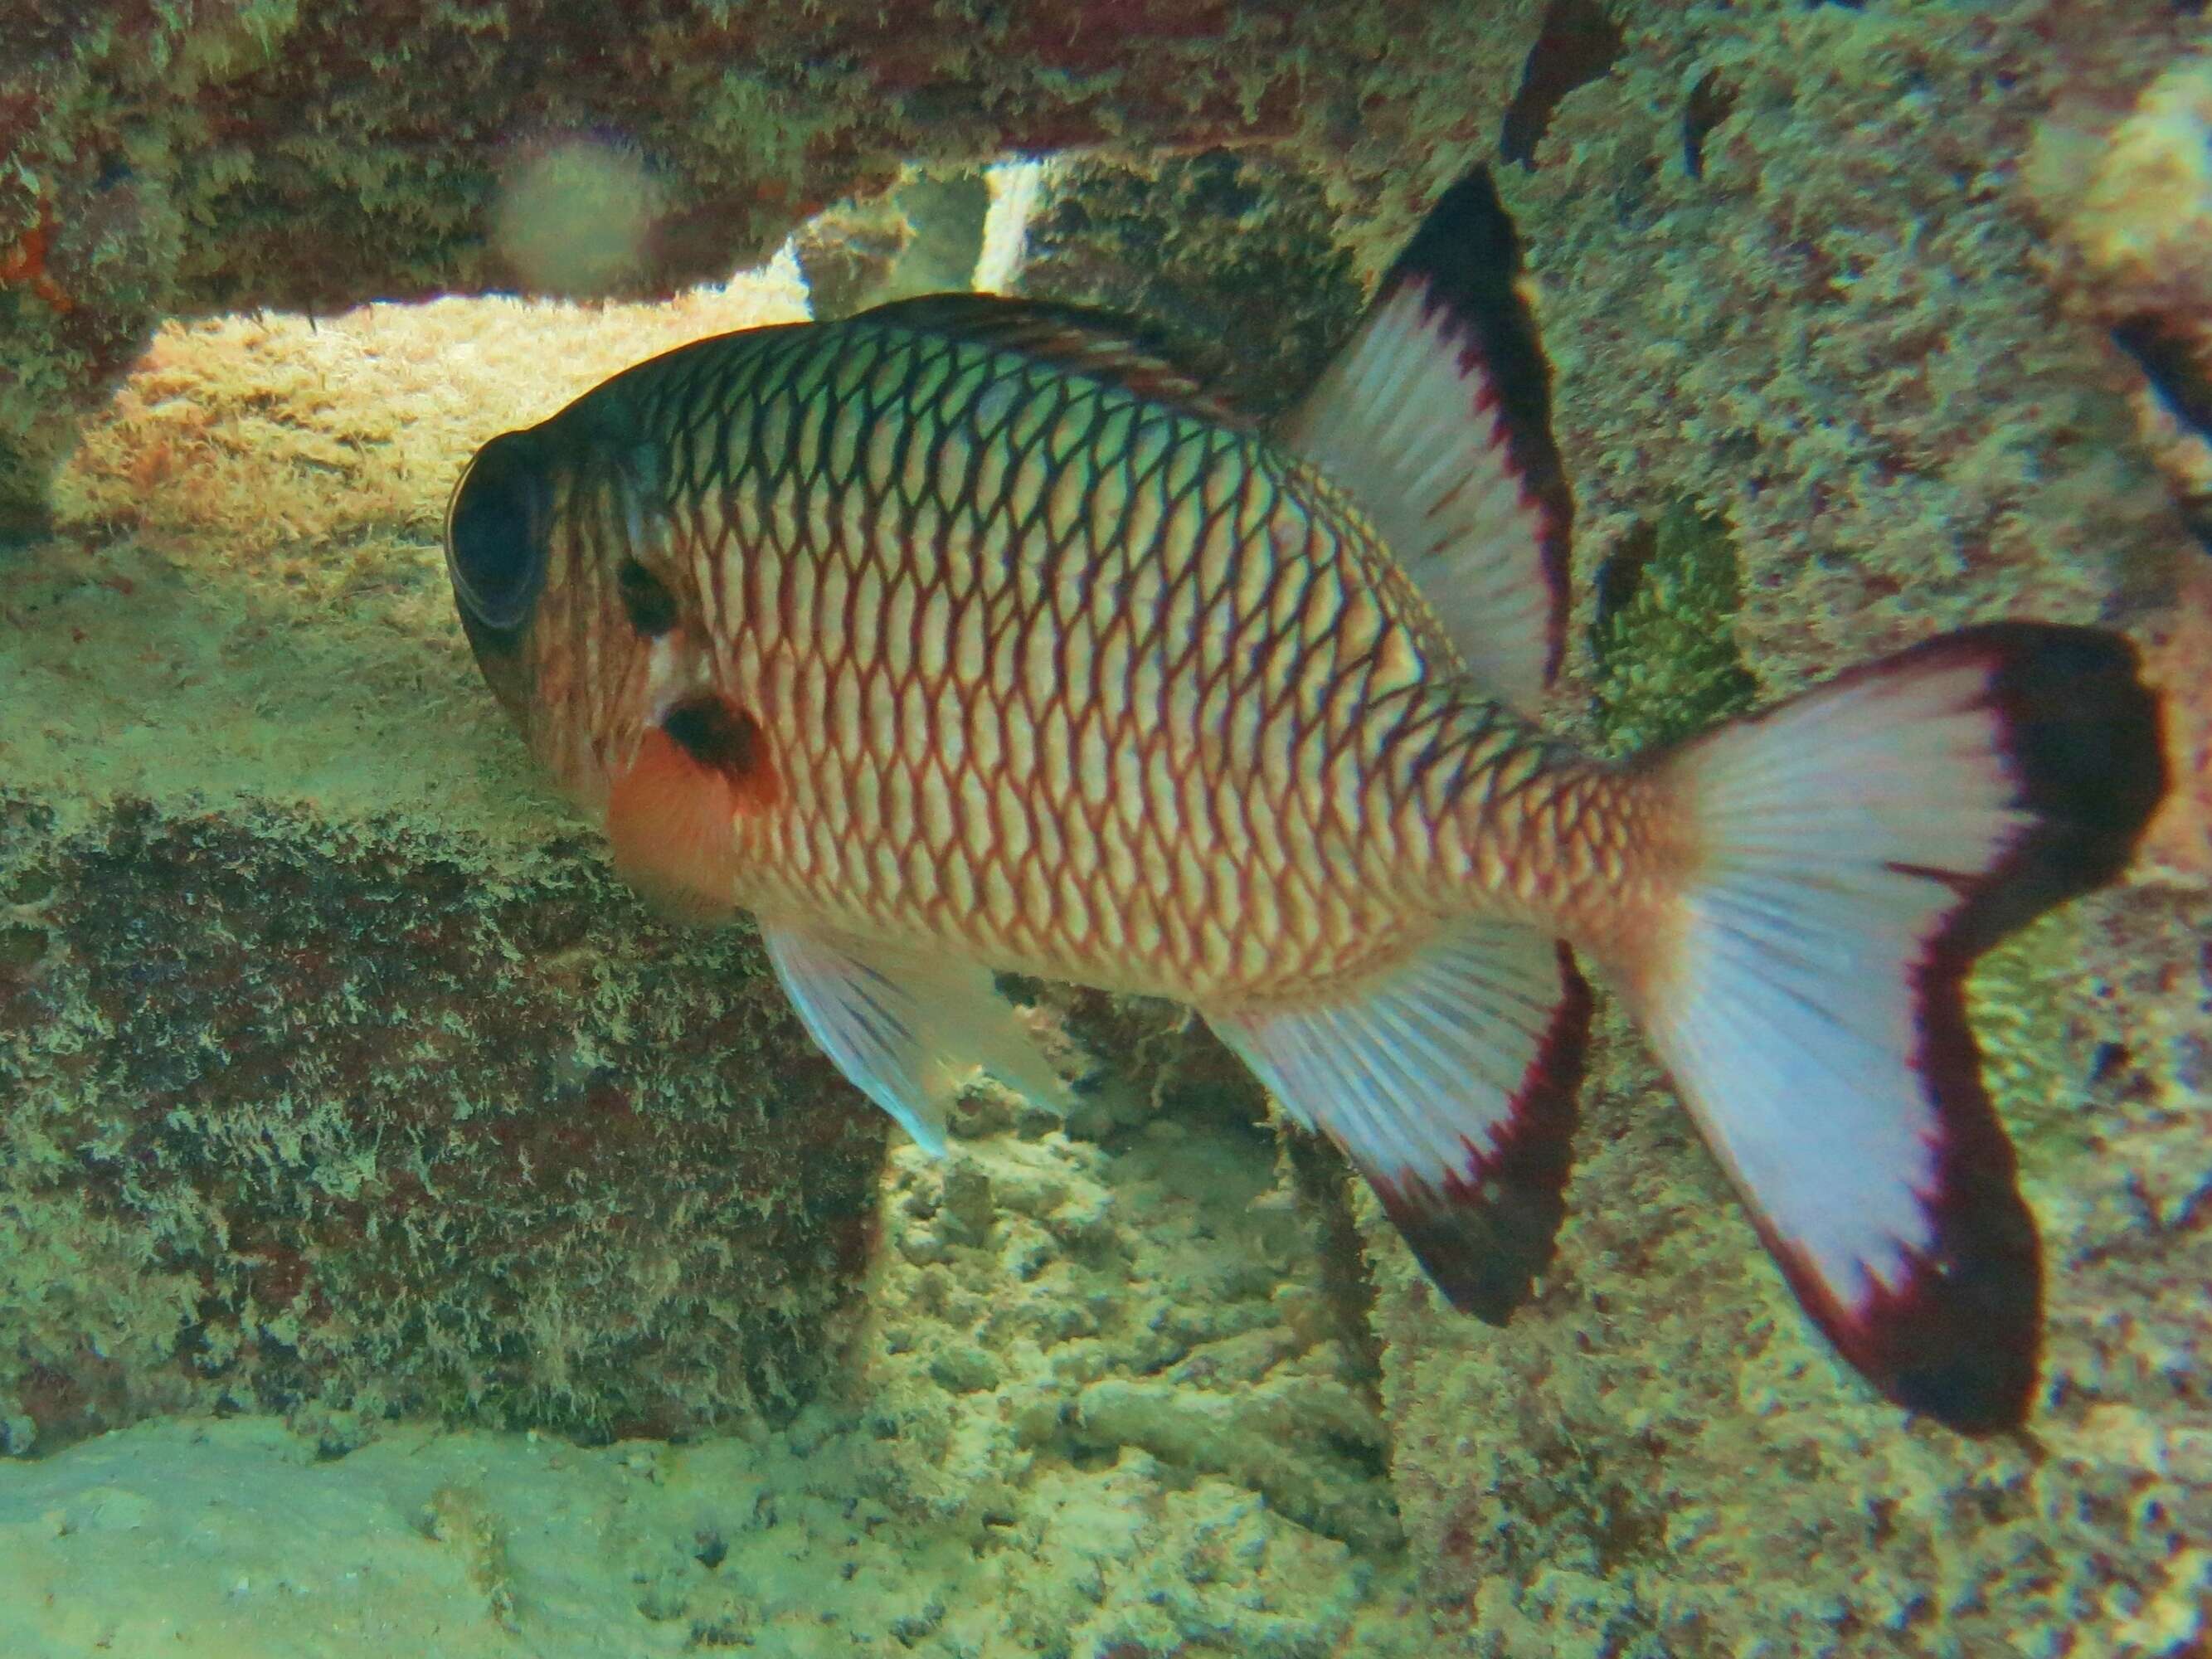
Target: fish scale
column 1132, row 635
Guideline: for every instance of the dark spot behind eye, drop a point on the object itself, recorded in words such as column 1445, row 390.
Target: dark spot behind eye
column 717, row 735
column 646, row 599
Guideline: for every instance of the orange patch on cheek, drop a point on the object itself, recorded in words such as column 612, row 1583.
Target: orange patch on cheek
column 673, row 816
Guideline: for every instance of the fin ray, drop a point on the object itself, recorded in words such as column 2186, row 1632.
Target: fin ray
column 1450, row 1083
column 1861, row 846
column 906, row 1030
column 1105, row 345
column 1436, row 417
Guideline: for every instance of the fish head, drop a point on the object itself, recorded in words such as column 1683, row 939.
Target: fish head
column 592, row 638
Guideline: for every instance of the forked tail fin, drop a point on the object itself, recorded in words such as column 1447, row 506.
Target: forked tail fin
column 1854, row 850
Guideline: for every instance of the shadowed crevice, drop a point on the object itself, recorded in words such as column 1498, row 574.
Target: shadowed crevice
column 1578, row 43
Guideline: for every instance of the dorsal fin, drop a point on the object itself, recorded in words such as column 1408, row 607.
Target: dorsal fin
column 1104, row 345
column 1436, row 417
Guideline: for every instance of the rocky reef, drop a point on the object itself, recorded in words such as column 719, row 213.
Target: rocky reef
column 337, row 1081
column 160, row 160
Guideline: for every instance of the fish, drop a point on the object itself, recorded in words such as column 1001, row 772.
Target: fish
column 970, row 636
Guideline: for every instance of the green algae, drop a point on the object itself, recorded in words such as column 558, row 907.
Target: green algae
column 2023, row 999
column 1667, row 664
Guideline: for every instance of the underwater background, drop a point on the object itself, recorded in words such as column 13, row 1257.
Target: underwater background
column 408, row 1245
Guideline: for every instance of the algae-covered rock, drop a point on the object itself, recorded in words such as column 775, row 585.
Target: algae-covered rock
column 355, row 1119
column 337, row 1075
column 178, row 160
column 923, row 237
column 1231, row 255
column 1840, row 330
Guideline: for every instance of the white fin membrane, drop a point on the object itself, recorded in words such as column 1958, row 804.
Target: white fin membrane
column 1436, row 418
column 1450, row 1083
column 906, row 1027
column 1859, row 846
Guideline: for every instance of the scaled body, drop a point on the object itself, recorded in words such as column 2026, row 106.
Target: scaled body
column 1084, row 681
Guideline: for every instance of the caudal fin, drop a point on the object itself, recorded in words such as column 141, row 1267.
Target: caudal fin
column 1851, row 852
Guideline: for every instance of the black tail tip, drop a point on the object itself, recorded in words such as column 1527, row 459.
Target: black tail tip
column 2085, row 738
column 1975, row 1399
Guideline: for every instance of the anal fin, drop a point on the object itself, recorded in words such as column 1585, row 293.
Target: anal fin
column 1451, row 1085
column 907, row 1029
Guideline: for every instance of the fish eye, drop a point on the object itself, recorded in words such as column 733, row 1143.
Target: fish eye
column 495, row 532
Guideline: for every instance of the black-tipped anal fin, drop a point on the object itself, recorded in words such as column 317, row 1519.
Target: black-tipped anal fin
column 1452, row 1086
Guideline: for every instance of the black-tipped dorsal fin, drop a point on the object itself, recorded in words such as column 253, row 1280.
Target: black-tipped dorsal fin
column 1436, row 417
column 1104, row 345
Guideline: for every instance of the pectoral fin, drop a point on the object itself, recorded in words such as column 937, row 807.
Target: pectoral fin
column 907, row 1029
